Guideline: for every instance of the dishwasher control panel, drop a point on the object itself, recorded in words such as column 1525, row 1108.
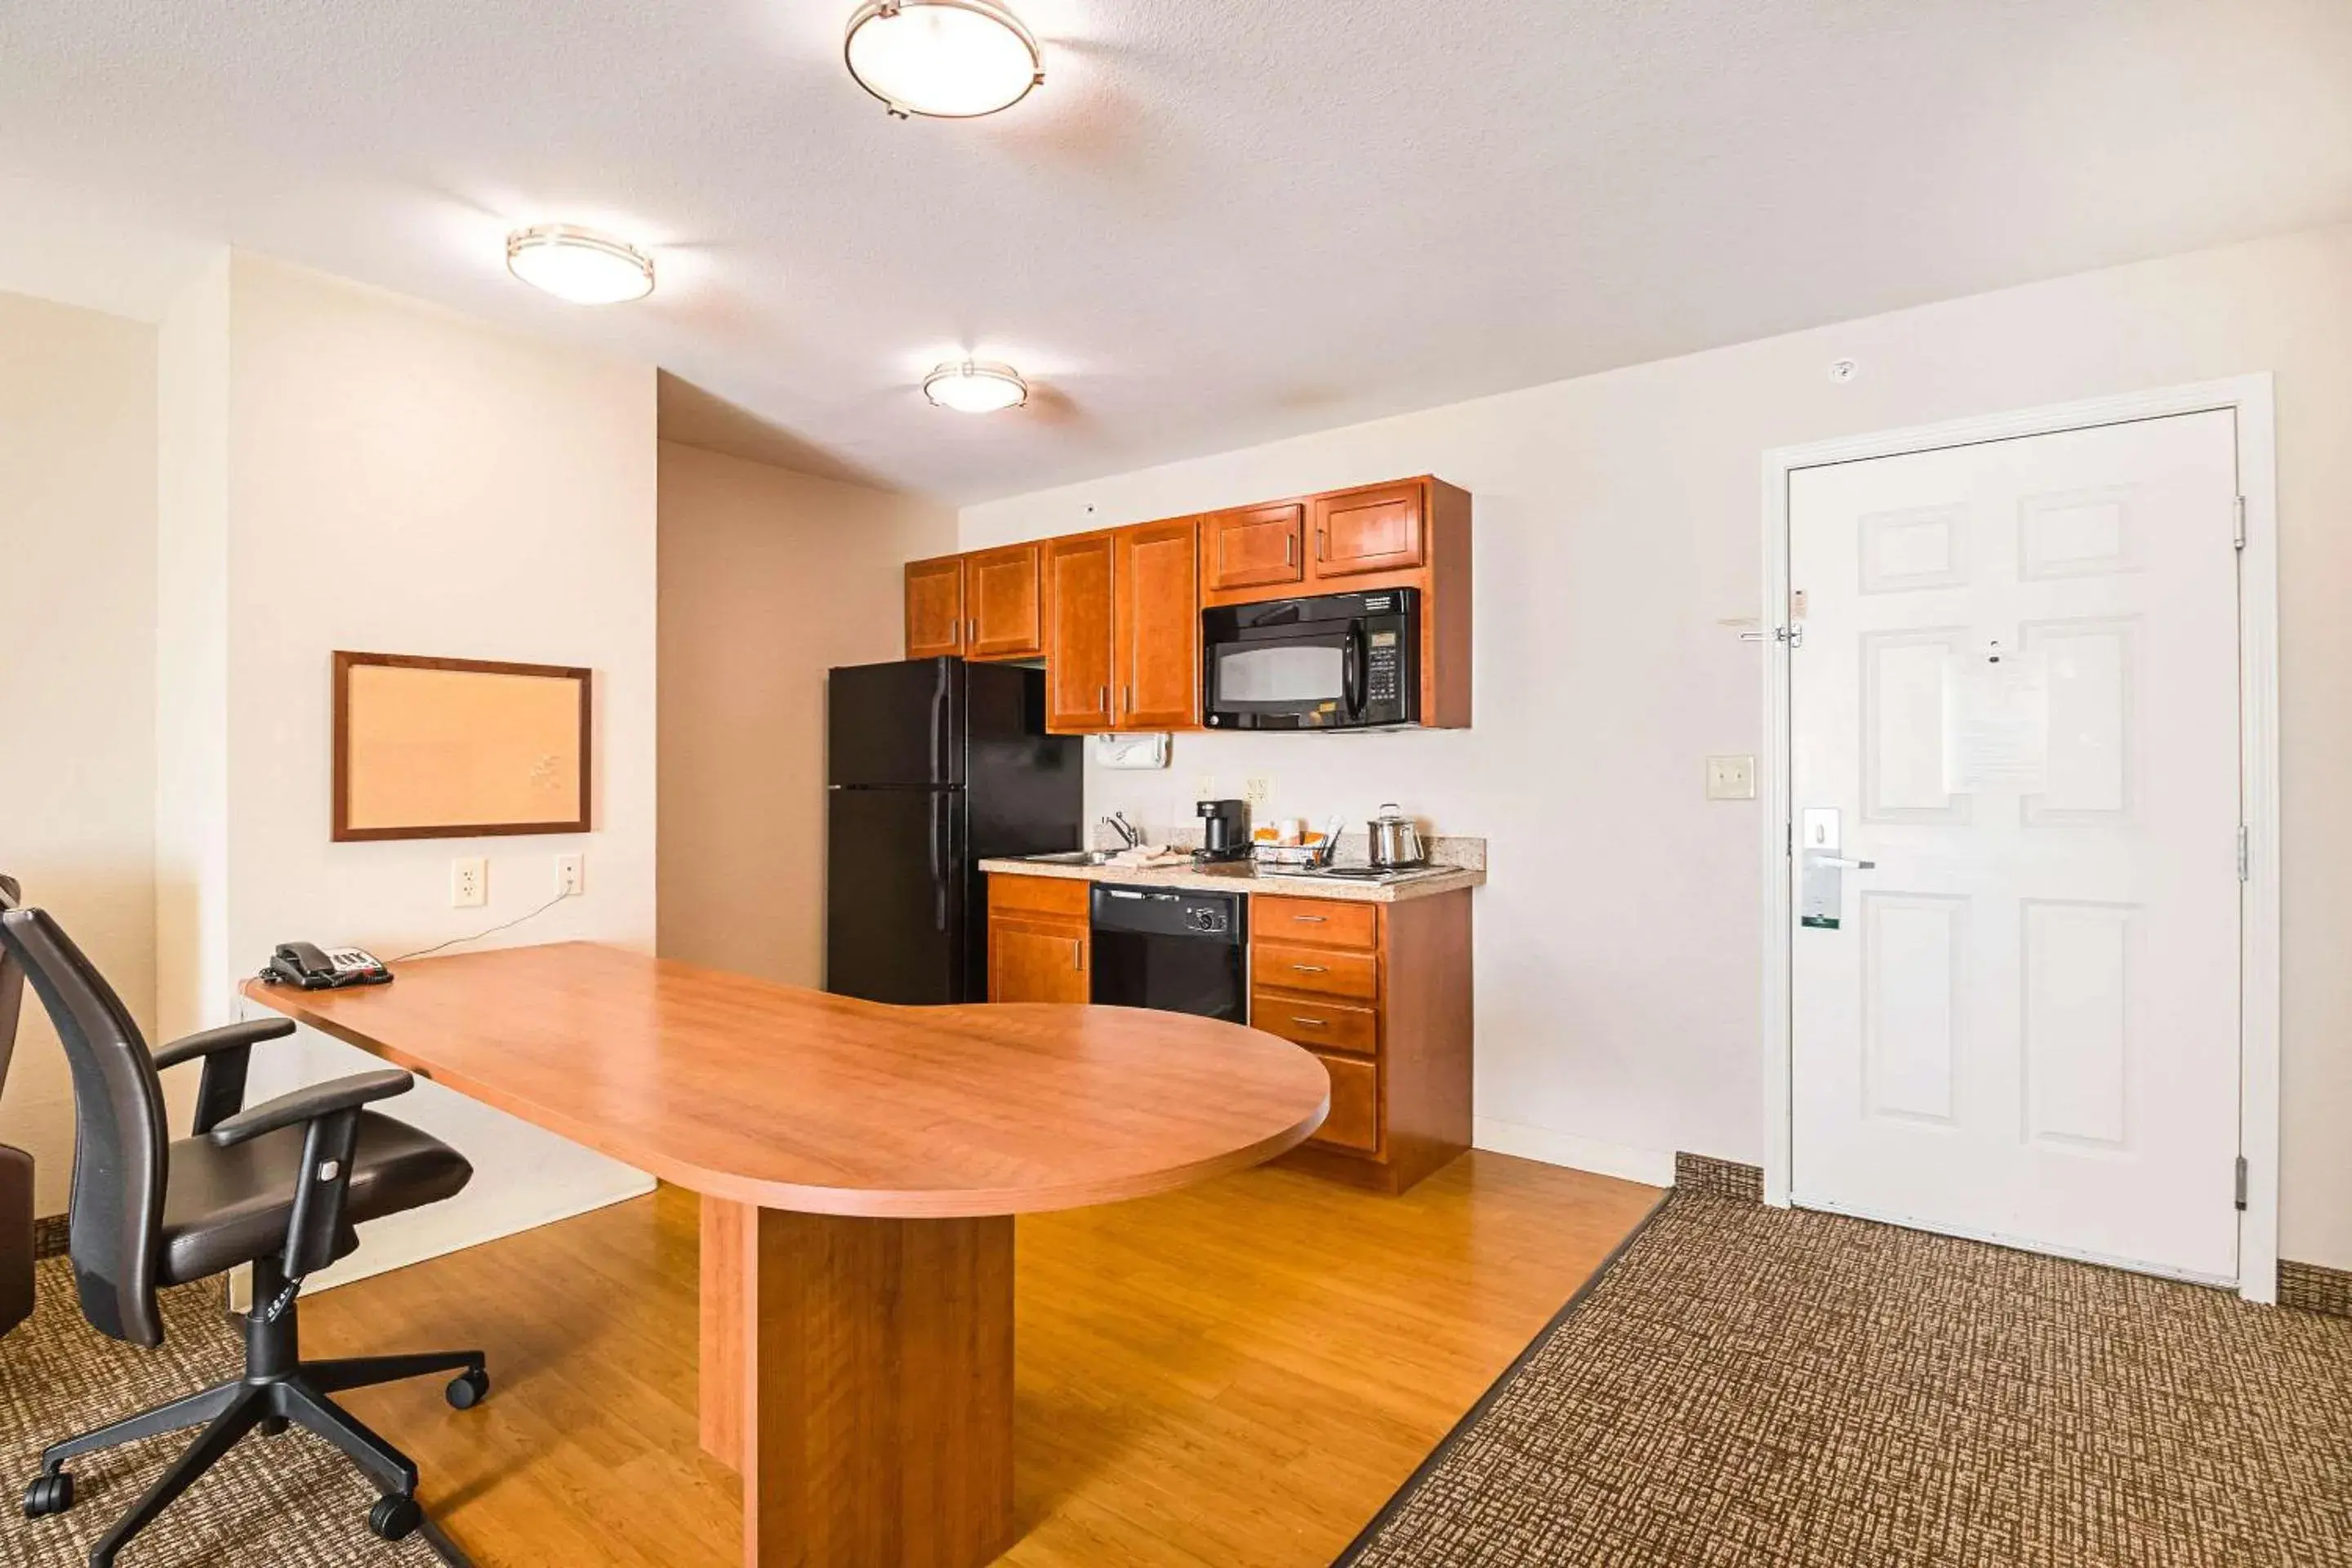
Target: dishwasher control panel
column 1168, row 911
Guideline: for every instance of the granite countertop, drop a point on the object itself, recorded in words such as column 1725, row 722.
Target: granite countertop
column 1455, row 864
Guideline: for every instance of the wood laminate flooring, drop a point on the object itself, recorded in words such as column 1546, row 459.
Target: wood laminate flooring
column 1237, row 1375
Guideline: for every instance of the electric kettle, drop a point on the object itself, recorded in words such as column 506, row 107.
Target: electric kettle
column 1395, row 841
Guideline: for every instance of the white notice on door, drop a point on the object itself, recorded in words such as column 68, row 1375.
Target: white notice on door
column 1996, row 722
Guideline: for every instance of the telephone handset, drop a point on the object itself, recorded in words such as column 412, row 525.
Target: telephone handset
column 303, row 965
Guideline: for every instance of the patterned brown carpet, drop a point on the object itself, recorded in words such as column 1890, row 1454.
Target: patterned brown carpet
column 275, row 1502
column 1777, row 1389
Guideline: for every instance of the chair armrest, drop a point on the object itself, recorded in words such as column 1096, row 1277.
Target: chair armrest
column 225, row 1052
column 317, row 1102
column 228, row 1037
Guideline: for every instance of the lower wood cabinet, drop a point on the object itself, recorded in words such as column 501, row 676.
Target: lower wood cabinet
column 1038, row 949
column 1381, row 994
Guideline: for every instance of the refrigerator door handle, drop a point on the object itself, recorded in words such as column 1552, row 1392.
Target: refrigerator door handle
column 938, row 724
column 940, row 856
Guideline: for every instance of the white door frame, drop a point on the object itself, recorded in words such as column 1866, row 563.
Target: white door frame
column 2248, row 397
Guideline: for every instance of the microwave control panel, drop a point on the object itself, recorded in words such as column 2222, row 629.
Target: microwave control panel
column 1383, row 667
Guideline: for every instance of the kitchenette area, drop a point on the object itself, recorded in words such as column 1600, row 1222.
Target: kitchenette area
column 970, row 859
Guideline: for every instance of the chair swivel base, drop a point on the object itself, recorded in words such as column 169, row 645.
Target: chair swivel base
column 277, row 1391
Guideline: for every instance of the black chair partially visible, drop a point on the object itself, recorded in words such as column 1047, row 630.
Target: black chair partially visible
column 279, row 1186
column 15, row 1165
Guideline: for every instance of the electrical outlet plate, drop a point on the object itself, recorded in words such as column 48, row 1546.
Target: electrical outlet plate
column 1255, row 792
column 469, row 882
column 1732, row 778
column 571, row 875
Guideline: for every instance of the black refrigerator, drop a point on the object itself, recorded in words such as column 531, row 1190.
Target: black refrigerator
column 931, row 766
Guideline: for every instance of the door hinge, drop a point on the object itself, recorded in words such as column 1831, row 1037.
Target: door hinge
column 2241, row 1181
column 2245, row 855
column 2238, row 533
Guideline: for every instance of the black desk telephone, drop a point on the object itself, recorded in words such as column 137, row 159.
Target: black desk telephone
column 300, row 963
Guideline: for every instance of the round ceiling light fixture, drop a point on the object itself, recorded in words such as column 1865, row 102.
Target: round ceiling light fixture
column 946, row 59
column 976, row 386
column 579, row 265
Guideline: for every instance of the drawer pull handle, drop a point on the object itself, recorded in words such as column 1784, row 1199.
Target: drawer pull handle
column 1311, row 1023
column 1310, row 919
column 1310, row 969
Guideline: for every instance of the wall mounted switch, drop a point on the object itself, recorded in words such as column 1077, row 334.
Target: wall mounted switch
column 1732, row 778
column 469, row 882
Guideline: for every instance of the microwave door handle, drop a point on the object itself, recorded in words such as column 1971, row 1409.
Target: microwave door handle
column 1353, row 673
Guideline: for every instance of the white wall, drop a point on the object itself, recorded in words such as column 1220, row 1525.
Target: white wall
column 402, row 480
column 1619, row 523
column 77, row 660
column 768, row 578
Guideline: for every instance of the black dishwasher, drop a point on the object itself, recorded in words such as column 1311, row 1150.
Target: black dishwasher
column 1168, row 948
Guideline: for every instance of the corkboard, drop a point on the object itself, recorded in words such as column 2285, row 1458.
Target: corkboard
column 451, row 748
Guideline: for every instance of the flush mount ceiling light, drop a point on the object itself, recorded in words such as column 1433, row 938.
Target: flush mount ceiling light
column 579, row 265
column 948, row 59
column 976, row 386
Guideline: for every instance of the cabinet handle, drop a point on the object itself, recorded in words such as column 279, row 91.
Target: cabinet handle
column 1106, row 699
column 1308, row 919
column 1310, row 969
column 1322, row 546
column 1309, row 1022
column 1078, row 954
column 1291, row 550
column 1127, row 700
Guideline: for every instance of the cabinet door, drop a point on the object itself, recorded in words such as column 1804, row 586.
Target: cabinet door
column 1078, row 650
column 1376, row 530
column 1254, row 548
column 1159, row 624
column 1354, row 1122
column 1036, row 961
column 935, row 607
column 1004, row 617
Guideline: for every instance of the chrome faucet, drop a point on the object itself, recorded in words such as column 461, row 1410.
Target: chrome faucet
column 1117, row 822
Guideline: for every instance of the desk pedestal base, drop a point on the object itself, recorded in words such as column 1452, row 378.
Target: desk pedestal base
column 858, row 1373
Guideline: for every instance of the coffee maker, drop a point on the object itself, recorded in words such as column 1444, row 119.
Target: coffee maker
column 1224, row 830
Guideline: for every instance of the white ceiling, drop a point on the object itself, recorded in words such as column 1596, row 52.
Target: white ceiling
column 1219, row 222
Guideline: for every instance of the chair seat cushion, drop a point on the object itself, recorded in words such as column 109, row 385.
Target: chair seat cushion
column 223, row 1207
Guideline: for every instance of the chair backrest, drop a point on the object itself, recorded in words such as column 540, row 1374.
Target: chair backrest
column 12, row 982
column 120, row 1133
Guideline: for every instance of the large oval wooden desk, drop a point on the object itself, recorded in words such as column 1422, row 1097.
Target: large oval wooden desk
column 859, row 1167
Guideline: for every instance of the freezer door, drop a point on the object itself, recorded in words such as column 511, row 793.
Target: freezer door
column 897, row 903
column 896, row 723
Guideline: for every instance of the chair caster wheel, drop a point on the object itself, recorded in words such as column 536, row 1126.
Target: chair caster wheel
column 395, row 1518
column 47, row 1495
column 468, row 1389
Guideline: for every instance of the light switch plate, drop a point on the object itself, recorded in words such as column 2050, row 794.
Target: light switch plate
column 469, row 882
column 1732, row 778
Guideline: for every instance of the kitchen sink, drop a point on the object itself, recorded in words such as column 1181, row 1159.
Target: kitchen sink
column 1072, row 857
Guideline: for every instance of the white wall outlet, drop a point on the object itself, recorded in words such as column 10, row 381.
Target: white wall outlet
column 1732, row 778
column 571, row 875
column 1205, row 787
column 1255, row 792
column 469, row 882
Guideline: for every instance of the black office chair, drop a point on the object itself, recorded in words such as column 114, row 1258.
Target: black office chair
column 279, row 1186
column 15, row 1165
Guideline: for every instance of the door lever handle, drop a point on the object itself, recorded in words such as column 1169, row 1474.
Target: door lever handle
column 1839, row 862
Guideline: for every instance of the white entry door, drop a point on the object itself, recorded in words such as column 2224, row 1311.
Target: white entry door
column 2016, row 699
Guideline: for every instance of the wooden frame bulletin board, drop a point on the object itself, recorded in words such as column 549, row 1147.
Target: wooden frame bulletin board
column 453, row 748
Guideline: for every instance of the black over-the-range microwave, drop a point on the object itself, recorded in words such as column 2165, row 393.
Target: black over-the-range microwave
column 1336, row 661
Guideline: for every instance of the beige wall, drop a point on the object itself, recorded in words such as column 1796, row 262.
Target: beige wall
column 76, row 671
column 355, row 469
column 768, row 578
column 1619, row 522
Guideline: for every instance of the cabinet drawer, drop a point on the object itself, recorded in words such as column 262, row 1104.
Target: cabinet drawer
column 1355, row 1119
column 1326, row 972
column 1061, row 896
column 1326, row 1025
column 1326, row 922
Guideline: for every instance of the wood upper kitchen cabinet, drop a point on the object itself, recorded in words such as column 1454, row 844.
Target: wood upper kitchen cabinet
column 935, row 608
column 1379, row 529
column 1078, row 644
column 1381, row 994
column 1005, row 610
column 1257, row 547
column 1037, row 940
column 1156, row 626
